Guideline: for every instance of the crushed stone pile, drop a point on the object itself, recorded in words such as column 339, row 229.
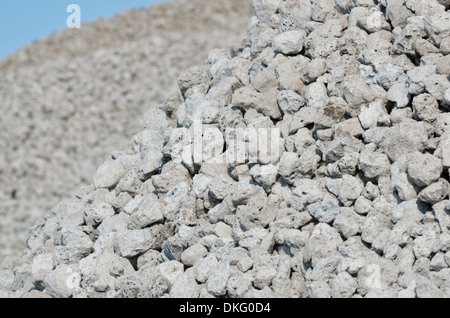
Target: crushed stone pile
column 69, row 100
column 310, row 161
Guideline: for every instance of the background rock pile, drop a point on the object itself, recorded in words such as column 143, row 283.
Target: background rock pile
column 353, row 203
column 69, row 100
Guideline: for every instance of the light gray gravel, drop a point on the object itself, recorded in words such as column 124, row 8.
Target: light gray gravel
column 354, row 203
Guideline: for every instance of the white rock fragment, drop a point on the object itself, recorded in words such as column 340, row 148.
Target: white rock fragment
column 368, row 115
column 62, row 281
column 193, row 254
column 150, row 212
column 135, row 242
column 289, row 43
column 424, row 169
column 109, row 174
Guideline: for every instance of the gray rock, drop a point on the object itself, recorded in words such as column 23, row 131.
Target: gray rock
column 308, row 190
column 353, row 126
column 218, row 279
column 264, row 9
column 171, row 175
column 423, row 245
column 407, row 137
column 373, row 165
column 291, row 72
column 441, row 126
column 397, row 13
column 318, row 289
column 376, row 220
column 115, row 223
column 41, row 266
column 426, row 289
column 353, row 204
column 200, row 184
column 95, row 213
column 220, row 211
column 399, row 94
column 375, row 275
column 109, row 174
column 245, row 264
column 437, row 27
column 446, row 97
column 342, row 144
column 389, row 75
column 264, row 270
column 325, row 212
column 406, row 217
column 239, row 284
column 290, row 102
column 404, row 187
column 322, row 243
column 132, row 243
column 442, row 67
column 435, row 193
column 258, row 212
column 417, row 78
column 164, row 277
column 324, row 269
column 424, row 169
column 150, row 212
column 438, row 262
column 377, row 46
column 193, row 254
column 265, row 175
column 74, row 245
column 362, row 205
column 265, row 103
column 221, row 186
column 447, row 258
column 425, row 108
column 185, row 286
column 70, row 213
column 194, row 76
column 131, row 183
column 244, row 191
column 436, row 85
column 405, row 42
column 206, row 268
column 348, row 222
column 180, row 206
column 441, row 213
column 368, row 115
column 343, row 286
column 316, row 95
column 290, row 42
column 62, row 281
column 350, row 189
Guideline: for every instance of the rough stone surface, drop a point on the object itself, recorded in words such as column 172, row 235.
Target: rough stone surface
column 94, row 89
column 353, row 203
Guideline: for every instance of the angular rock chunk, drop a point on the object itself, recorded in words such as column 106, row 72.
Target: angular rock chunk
column 289, row 43
column 407, row 137
column 424, row 169
column 132, row 243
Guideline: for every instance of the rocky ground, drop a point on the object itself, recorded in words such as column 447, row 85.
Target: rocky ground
column 312, row 160
column 69, row 100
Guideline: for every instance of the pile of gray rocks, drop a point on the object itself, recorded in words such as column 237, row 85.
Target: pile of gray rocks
column 352, row 201
column 69, row 100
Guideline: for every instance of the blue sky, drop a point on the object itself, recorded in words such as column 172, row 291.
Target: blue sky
column 23, row 21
